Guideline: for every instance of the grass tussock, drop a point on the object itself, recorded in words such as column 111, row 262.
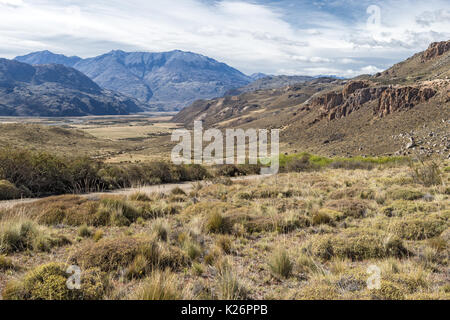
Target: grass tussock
column 161, row 285
column 25, row 235
column 280, row 264
column 49, row 282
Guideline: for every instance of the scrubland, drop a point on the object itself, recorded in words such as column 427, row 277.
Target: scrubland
column 312, row 232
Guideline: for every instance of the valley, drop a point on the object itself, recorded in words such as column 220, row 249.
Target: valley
column 363, row 185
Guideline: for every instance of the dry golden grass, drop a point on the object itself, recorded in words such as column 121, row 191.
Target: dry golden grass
column 310, row 235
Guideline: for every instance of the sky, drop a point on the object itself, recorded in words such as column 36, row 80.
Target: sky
column 292, row 37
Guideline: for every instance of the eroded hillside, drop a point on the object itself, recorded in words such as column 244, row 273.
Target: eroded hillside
column 404, row 110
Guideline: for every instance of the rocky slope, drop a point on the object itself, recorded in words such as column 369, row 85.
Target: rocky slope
column 167, row 80
column 56, row 90
column 259, row 105
column 404, row 110
column 269, row 82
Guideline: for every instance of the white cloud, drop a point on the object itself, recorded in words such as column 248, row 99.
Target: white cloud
column 247, row 35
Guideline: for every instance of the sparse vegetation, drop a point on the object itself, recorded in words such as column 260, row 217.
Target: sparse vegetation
column 331, row 226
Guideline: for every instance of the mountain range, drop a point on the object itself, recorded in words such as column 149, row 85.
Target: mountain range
column 165, row 81
column 56, row 90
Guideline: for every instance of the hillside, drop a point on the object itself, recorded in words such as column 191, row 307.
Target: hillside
column 263, row 82
column 56, row 90
column 167, row 80
column 404, row 110
column 254, row 106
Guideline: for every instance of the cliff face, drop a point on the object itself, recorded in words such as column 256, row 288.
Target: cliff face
column 335, row 105
column 435, row 50
column 403, row 98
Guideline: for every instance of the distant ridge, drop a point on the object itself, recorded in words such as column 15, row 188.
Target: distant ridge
column 166, row 80
column 54, row 91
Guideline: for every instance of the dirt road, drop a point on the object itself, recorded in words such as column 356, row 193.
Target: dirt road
column 163, row 188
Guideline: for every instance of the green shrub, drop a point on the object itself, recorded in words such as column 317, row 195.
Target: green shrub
column 300, row 164
column 427, row 174
column 280, row 264
column 8, row 190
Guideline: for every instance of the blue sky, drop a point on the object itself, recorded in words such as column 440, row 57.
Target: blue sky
column 344, row 38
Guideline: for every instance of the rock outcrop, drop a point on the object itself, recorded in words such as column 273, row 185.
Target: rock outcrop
column 403, row 98
column 435, row 50
column 335, row 105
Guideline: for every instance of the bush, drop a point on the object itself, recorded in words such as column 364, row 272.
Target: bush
column 419, row 228
column 44, row 174
column 192, row 249
column 300, row 164
column 9, row 191
column 306, row 264
column 358, row 247
column 388, row 291
column 48, row 282
column 427, row 174
column 158, row 210
column 113, row 254
column 326, row 216
column 406, row 194
column 280, row 264
column 229, row 170
column 349, row 207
